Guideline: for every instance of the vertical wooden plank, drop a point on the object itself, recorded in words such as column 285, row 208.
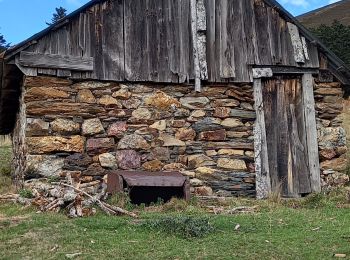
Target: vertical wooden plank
column 227, row 52
column 197, row 73
column 296, row 43
column 263, row 184
column 310, row 125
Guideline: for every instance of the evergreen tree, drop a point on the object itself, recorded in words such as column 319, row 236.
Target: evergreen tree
column 337, row 38
column 3, row 44
column 58, row 15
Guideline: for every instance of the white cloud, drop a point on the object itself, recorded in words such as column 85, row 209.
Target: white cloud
column 333, row 1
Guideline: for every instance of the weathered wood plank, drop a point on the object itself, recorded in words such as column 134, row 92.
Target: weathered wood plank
column 263, row 183
column 55, row 61
column 310, row 125
column 296, row 43
column 197, row 70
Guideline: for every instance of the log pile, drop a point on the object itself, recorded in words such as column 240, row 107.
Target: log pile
column 66, row 195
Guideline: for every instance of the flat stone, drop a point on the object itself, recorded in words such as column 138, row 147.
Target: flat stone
column 153, row 166
column 77, row 162
column 65, row 126
column 92, row 127
column 331, row 137
column 109, row 101
column 329, row 91
column 233, row 134
column 232, row 164
column 159, row 125
column 128, row 159
column 107, row 160
column 231, row 122
column 211, row 153
column 222, row 112
column 94, row 169
column 230, row 152
column 243, row 114
column 48, row 82
column 131, row 103
column 174, row 167
column 185, row 134
column 246, row 106
column 250, row 154
column 196, row 182
column 204, row 171
column 45, row 165
column 91, row 85
column 327, row 154
column 340, row 150
column 162, row 101
column 182, row 112
column 86, row 96
column 160, row 153
column 338, row 164
column 133, row 142
column 123, row 93
column 117, row 129
column 169, row 140
column 217, row 135
column 99, row 145
column 225, row 103
column 199, row 160
column 50, row 144
column 44, row 93
column 203, row 191
column 178, row 123
column 142, row 113
column 189, row 174
column 207, row 124
column 194, row 102
column 37, row 127
column 198, row 113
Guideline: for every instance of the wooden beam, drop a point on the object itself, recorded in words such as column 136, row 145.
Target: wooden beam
column 26, row 70
column 262, row 73
column 55, row 61
column 263, row 182
column 311, row 132
column 296, row 42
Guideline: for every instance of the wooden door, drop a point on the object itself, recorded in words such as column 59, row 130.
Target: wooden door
column 286, row 138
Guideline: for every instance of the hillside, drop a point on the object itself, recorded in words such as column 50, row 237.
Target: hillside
column 326, row 15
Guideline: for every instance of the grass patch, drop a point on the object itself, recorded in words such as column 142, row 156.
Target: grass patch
column 5, row 169
column 313, row 228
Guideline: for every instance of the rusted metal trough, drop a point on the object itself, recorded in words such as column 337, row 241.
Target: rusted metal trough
column 148, row 187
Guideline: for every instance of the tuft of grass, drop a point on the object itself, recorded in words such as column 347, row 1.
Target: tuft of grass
column 5, row 169
column 183, row 226
column 25, row 193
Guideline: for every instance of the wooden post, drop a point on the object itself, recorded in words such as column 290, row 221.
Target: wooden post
column 263, row 182
column 311, row 132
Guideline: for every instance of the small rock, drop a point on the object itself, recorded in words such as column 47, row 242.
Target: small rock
column 177, row 123
column 65, row 126
column 159, row 125
column 232, row 164
column 133, row 142
column 77, row 162
column 327, row 154
column 153, row 166
column 207, row 124
column 230, row 152
column 225, row 103
column 37, row 127
column 204, row 170
column 123, row 93
column 198, row 113
column 109, row 101
column 185, row 134
column 131, row 103
column 92, row 127
column 117, row 129
column 194, row 102
column 107, row 160
column 338, row 164
column 174, row 167
column 86, row 96
column 142, row 113
column 160, row 153
column 217, row 135
column 222, row 112
column 198, row 160
column 51, row 144
column 169, row 140
column 45, row 165
column 128, row 159
column 162, row 101
column 94, row 169
column 196, row 182
column 211, row 153
column 231, row 122
column 99, row 145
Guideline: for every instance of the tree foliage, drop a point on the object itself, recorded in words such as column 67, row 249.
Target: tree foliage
column 337, row 38
column 60, row 13
column 3, row 44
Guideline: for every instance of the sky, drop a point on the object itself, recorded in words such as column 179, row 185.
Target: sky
column 20, row 19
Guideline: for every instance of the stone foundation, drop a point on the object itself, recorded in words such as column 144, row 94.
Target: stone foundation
column 331, row 133
column 84, row 129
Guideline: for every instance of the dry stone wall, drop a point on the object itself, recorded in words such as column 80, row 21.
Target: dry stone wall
column 331, row 133
column 86, row 128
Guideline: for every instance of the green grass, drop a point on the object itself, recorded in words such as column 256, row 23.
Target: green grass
column 5, row 168
column 316, row 228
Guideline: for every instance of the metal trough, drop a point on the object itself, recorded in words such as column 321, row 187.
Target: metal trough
column 148, row 187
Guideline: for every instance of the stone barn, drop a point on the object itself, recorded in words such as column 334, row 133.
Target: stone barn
column 234, row 94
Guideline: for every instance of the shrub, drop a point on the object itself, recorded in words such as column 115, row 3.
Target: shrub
column 183, row 226
column 25, row 193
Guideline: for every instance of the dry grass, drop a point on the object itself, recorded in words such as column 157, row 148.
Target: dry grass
column 5, row 169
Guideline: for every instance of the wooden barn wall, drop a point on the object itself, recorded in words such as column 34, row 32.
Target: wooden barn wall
column 150, row 40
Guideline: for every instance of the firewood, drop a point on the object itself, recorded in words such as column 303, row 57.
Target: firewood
column 109, row 209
